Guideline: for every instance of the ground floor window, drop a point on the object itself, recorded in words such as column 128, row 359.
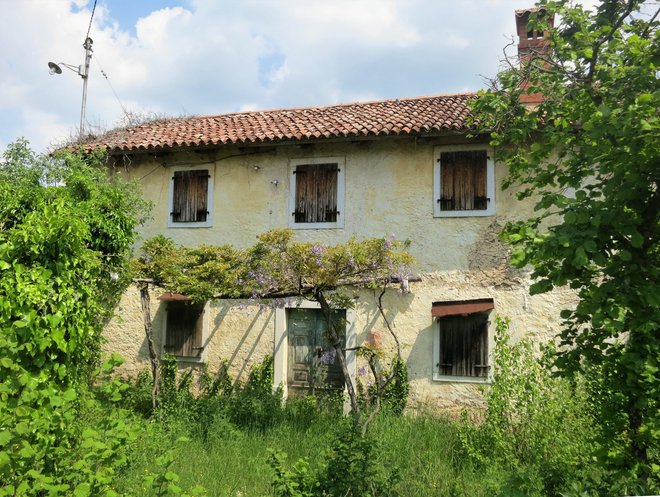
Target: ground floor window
column 464, row 345
column 461, row 340
column 184, row 329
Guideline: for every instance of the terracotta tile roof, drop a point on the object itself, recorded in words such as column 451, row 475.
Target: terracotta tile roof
column 406, row 116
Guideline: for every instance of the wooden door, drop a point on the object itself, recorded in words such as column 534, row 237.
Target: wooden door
column 313, row 364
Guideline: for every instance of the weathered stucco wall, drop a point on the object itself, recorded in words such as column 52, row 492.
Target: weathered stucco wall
column 389, row 190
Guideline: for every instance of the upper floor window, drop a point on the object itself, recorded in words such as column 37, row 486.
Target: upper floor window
column 317, row 193
column 190, row 197
column 464, row 181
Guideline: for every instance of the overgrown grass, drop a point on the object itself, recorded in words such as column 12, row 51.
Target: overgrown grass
column 536, row 439
column 423, row 451
column 232, row 432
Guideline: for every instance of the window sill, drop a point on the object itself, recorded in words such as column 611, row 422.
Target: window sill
column 194, row 360
column 474, row 213
column 460, row 379
column 206, row 224
column 316, row 226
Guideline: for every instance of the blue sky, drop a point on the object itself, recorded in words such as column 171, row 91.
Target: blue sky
column 170, row 58
column 127, row 12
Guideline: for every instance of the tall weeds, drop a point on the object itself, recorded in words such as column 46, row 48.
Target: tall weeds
column 538, row 433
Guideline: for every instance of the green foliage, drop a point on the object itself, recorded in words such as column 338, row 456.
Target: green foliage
column 423, row 450
column 67, row 229
column 304, row 411
column 589, row 155
column 137, row 397
column 46, row 449
column 389, row 387
column 295, row 482
column 250, row 405
column 537, row 425
column 275, row 266
column 395, row 393
column 165, row 481
column 352, row 468
column 60, row 245
column 254, row 405
column 220, row 384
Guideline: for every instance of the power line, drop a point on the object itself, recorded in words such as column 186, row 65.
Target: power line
column 98, row 62
column 90, row 20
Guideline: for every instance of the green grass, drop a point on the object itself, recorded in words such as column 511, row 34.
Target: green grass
column 233, row 462
column 535, row 441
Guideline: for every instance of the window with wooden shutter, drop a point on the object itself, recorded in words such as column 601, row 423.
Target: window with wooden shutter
column 317, row 193
column 460, row 342
column 190, row 198
column 464, row 182
column 464, row 345
column 184, row 329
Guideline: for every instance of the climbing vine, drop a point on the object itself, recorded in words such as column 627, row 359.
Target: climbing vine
column 277, row 267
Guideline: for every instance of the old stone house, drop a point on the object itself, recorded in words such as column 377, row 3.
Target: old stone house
column 401, row 167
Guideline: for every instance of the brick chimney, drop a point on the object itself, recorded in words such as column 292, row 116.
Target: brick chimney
column 531, row 43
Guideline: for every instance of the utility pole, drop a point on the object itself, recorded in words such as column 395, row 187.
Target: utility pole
column 84, row 74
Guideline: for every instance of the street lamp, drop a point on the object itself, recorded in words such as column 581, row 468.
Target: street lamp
column 83, row 72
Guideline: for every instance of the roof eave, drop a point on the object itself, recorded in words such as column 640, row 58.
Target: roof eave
column 450, row 131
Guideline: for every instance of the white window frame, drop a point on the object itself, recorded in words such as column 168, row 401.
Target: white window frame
column 281, row 350
column 490, row 181
column 209, row 198
column 438, row 376
column 205, row 336
column 341, row 191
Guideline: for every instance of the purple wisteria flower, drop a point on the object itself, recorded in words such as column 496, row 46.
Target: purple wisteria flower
column 328, row 357
column 318, row 249
column 279, row 303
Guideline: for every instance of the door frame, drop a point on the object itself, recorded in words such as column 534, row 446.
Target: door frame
column 281, row 350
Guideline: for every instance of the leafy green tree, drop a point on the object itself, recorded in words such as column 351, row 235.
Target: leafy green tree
column 588, row 154
column 67, row 231
column 67, row 228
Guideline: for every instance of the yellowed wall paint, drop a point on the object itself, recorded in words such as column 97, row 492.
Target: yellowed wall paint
column 389, row 190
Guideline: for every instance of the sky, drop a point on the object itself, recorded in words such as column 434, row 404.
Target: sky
column 181, row 57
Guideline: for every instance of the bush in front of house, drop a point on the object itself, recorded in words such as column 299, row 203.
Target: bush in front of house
column 538, row 433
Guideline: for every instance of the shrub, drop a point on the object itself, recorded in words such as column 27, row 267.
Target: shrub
column 254, row 404
column 137, row 397
column 251, row 404
column 305, row 412
column 67, row 228
column 390, row 388
column 537, row 429
column 352, row 469
column 395, row 394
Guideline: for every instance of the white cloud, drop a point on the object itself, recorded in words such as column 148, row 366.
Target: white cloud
column 248, row 107
column 214, row 56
